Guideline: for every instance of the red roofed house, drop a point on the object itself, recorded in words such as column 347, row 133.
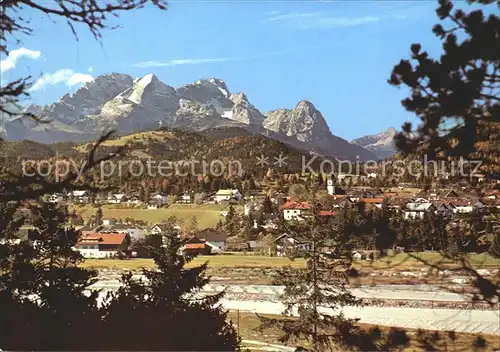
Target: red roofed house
column 327, row 213
column 293, row 210
column 196, row 246
column 101, row 245
column 373, row 202
column 297, row 210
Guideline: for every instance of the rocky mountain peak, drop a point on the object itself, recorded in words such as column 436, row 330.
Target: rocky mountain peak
column 87, row 100
column 239, row 98
column 243, row 111
column 305, row 105
column 391, row 130
column 129, row 105
column 304, row 121
column 212, row 84
column 381, row 144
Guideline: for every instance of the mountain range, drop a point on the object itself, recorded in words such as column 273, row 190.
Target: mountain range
column 381, row 144
column 118, row 102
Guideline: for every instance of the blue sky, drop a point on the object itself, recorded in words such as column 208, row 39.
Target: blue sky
column 338, row 55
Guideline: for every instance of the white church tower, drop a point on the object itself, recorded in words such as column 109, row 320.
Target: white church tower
column 330, row 186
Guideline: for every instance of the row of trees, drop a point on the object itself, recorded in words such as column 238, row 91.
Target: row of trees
column 46, row 304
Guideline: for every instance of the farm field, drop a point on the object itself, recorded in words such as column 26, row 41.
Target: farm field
column 207, row 215
column 401, row 261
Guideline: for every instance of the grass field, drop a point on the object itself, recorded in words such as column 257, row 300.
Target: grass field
column 207, row 215
column 214, row 261
column 248, row 324
column 400, row 261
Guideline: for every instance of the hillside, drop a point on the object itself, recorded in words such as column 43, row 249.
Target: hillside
column 176, row 146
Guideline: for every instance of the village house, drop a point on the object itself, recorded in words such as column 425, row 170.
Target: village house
column 160, row 198
column 154, row 205
column 185, row 199
column 195, row 246
column 109, row 221
column 398, row 203
column 417, row 210
column 55, row 198
column 134, row 200
column 161, row 229
column 287, row 243
column 226, row 195
column 372, row 202
column 443, row 208
column 356, row 196
column 465, row 205
column 135, row 232
column 215, row 239
column 88, row 229
column 295, row 210
column 115, row 198
column 101, row 245
column 435, row 194
column 79, row 196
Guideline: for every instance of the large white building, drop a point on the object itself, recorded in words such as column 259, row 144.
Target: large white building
column 227, row 194
column 418, row 210
column 295, row 210
column 100, row 245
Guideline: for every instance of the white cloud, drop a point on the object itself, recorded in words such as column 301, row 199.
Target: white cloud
column 292, row 16
column 331, row 22
column 320, row 20
column 65, row 76
column 10, row 62
column 179, row 62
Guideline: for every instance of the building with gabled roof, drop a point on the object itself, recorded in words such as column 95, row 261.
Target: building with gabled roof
column 293, row 210
column 101, row 245
column 418, row 210
column 227, row 194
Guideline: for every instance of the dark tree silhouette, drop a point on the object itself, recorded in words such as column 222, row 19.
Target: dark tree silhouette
column 457, row 96
column 309, row 292
column 43, row 304
column 98, row 217
column 168, row 311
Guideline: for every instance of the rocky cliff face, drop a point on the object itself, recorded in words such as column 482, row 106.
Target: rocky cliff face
column 116, row 101
column 308, row 127
column 88, row 100
column 381, row 144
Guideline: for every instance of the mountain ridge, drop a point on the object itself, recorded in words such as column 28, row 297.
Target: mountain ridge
column 381, row 144
column 119, row 102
